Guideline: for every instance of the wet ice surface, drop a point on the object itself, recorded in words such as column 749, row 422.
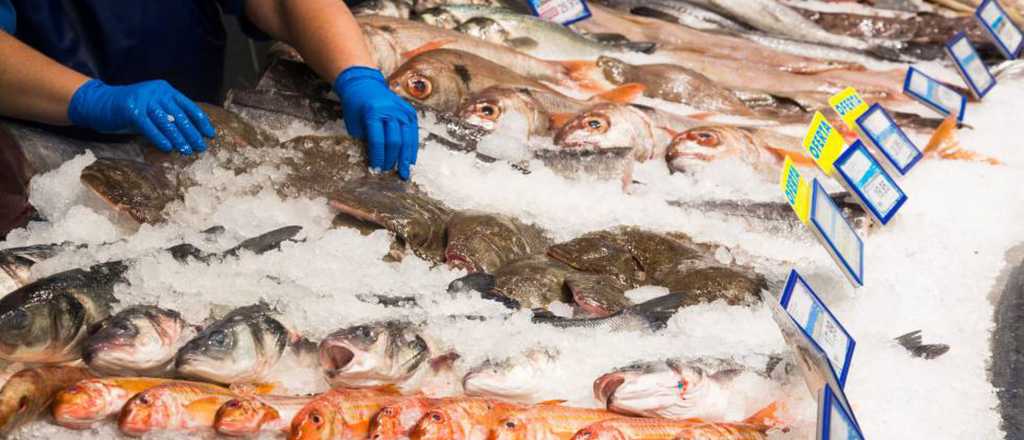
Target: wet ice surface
column 931, row 269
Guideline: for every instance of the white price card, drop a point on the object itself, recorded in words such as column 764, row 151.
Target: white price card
column 818, row 324
column 565, row 12
column 1003, row 32
column 969, row 65
column 836, row 233
column 835, row 418
column 881, row 131
column 934, row 94
column 861, row 174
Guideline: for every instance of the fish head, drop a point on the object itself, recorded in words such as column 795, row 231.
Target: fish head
column 440, row 17
column 34, row 330
column 393, row 422
column 645, row 389
column 138, row 339
column 699, row 146
column 149, row 410
column 374, row 354
column 84, row 403
column 600, row 431
column 513, row 378
column 514, row 428
column 383, row 45
column 493, row 105
column 316, row 421
column 484, row 28
column 436, row 424
column 429, row 79
column 605, row 126
column 239, row 417
column 481, row 242
column 226, row 352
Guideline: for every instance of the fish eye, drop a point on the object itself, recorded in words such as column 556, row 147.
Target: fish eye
column 510, row 424
column 704, row 138
column 418, row 87
column 387, row 412
column 315, row 418
column 595, row 123
column 18, row 319
column 489, row 111
column 144, row 399
column 218, row 338
column 233, row 404
column 584, row 434
column 436, row 417
column 363, row 331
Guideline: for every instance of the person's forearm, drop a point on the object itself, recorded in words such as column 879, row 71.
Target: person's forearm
column 33, row 86
column 323, row 31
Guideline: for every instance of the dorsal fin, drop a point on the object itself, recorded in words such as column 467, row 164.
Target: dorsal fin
column 427, row 47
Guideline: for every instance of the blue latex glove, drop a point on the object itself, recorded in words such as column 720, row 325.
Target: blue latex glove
column 374, row 113
column 152, row 108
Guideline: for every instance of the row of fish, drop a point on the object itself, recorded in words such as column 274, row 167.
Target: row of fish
column 143, row 405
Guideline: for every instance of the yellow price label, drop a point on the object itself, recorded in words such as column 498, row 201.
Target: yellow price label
column 797, row 190
column 849, row 105
column 824, row 143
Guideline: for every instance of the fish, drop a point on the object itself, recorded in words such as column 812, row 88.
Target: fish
column 249, row 344
column 396, row 421
column 524, row 32
column 915, row 345
column 340, row 414
column 250, row 415
column 173, row 406
column 602, row 252
column 139, row 340
column 483, row 242
column 48, row 320
column 620, row 125
column 386, row 353
column 385, row 8
column 754, row 427
column 28, row 393
column 512, row 5
column 417, row 220
column 674, row 83
column 647, row 316
column 91, row 401
column 763, row 149
column 512, row 379
column 533, row 281
column 394, row 41
column 684, row 13
column 16, row 263
column 465, row 418
column 549, row 421
column 672, row 389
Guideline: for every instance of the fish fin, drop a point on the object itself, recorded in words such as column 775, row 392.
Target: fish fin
column 444, row 361
column 581, row 74
column 768, row 417
column 389, row 390
column 659, row 310
column 623, row 94
column 945, row 145
column 672, row 133
column 252, row 389
column 646, row 47
column 558, row 120
column 522, row 43
column 429, row 46
column 205, row 409
column 644, row 11
column 798, row 157
column 701, row 116
column 553, row 402
column 265, row 242
column 727, row 375
column 915, row 345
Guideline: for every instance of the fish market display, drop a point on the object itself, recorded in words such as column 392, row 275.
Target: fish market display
column 592, row 245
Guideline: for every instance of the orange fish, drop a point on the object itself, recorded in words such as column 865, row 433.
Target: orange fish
column 29, row 392
column 630, row 428
column 396, row 421
column 340, row 414
column 90, row 401
column 549, row 421
column 251, row 414
column 463, row 419
column 176, row 405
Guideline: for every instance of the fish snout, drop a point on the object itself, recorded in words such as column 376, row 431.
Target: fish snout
column 75, row 407
column 334, row 357
column 605, row 386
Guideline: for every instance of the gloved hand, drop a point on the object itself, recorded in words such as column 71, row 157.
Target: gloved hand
column 374, row 113
column 153, row 108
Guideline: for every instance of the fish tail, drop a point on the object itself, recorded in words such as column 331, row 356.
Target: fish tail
column 768, row 417
column 945, row 145
column 623, row 94
column 265, row 242
column 659, row 310
column 583, row 75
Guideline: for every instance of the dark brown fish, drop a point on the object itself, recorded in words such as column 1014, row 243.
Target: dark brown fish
column 479, row 241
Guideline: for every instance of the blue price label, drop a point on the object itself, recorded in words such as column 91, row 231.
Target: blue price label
column 1003, row 32
column 837, row 235
column 881, row 131
column 969, row 65
column 835, row 418
column 860, row 173
column 934, row 94
column 819, row 325
column 565, row 12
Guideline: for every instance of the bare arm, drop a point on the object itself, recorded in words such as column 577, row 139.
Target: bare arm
column 323, row 31
column 33, row 86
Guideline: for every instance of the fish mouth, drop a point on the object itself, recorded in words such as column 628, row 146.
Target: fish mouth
column 456, row 260
column 334, row 358
column 73, row 410
column 673, row 155
column 605, row 386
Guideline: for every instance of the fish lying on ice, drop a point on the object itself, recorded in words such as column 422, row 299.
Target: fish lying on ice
column 139, row 340
column 466, row 418
column 515, row 379
column 339, row 414
column 251, row 415
column 549, row 421
column 755, row 427
column 91, row 401
column 173, row 406
column 478, row 241
column 29, row 392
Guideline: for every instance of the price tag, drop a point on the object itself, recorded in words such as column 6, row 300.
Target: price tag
column 849, row 105
column 819, row 324
column 835, row 418
column 934, row 94
column 1003, row 32
column 861, row 174
column 880, row 130
column 798, row 192
column 565, row 12
column 823, row 142
column 837, row 235
column 970, row 66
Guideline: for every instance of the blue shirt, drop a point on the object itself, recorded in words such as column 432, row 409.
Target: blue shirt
column 7, row 18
